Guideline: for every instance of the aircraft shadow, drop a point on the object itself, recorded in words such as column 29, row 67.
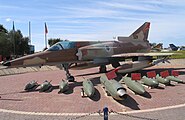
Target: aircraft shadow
column 94, row 73
column 12, row 93
column 11, row 99
column 96, row 96
column 87, row 74
column 129, row 102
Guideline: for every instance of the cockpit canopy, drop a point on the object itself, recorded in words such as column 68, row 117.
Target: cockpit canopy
column 62, row 45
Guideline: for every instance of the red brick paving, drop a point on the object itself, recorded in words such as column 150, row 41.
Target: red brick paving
column 13, row 99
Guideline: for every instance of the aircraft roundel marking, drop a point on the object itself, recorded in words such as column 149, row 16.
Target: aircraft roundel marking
column 79, row 54
column 107, row 48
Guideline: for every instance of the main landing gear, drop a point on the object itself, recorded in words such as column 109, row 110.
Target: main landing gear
column 69, row 77
column 103, row 69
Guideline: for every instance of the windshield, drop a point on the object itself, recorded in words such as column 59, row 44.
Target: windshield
column 62, row 45
column 56, row 47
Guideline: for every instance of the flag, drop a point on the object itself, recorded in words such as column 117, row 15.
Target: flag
column 46, row 29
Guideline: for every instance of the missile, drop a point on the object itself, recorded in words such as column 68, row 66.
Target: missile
column 45, row 86
column 88, row 88
column 135, row 86
column 149, row 81
column 63, row 86
column 162, row 80
column 114, row 88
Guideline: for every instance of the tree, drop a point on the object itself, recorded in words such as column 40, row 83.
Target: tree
column 52, row 41
column 2, row 29
column 11, row 39
column 21, row 43
column 5, row 43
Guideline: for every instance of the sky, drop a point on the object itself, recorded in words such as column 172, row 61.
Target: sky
column 95, row 19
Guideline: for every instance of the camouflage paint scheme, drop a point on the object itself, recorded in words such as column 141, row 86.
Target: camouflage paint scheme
column 87, row 51
column 85, row 54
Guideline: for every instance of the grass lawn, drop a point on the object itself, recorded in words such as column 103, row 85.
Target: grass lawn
column 180, row 56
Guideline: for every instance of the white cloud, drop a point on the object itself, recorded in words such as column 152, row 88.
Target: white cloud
column 8, row 19
column 128, row 6
column 98, row 19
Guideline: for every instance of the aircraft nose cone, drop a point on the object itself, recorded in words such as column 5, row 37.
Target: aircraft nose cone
column 8, row 63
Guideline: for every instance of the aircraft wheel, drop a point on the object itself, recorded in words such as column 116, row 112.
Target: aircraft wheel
column 71, row 79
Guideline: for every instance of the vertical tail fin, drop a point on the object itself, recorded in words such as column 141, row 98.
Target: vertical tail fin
column 158, row 46
column 141, row 33
column 173, row 47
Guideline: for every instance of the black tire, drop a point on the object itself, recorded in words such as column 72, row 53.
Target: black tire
column 71, row 79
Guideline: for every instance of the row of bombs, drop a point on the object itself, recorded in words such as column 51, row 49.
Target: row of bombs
column 137, row 87
column 88, row 88
column 112, row 86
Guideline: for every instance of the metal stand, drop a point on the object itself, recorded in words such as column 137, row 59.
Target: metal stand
column 105, row 113
column 103, row 69
column 69, row 77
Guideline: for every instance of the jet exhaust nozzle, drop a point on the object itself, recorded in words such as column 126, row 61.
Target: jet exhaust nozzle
column 122, row 93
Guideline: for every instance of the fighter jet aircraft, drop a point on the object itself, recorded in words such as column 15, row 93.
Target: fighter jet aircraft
column 86, row 54
column 176, row 48
column 156, row 48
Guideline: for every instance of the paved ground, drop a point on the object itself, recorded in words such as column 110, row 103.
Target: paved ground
column 167, row 114
column 13, row 97
column 12, row 71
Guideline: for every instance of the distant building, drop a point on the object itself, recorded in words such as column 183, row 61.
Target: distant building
column 32, row 49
